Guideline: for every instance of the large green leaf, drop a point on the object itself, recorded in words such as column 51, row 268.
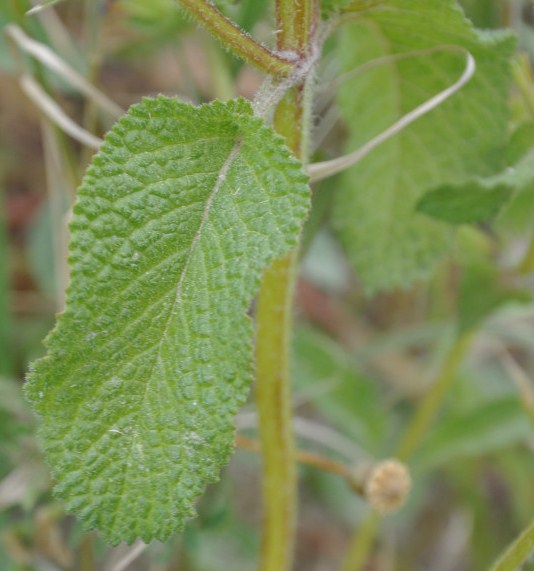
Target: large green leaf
column 388, row 243
column 517, row 218
column 477, row 199
column 176, row 218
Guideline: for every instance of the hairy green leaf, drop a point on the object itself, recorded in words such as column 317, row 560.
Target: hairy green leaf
column 388, row 244
column 477, row 199
column 465, row 203
column 518, row 215
column 179, row 213
column 520, row 143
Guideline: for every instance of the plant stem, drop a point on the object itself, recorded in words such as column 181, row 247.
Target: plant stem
column 273, row 398
column 236, row 40
column 295, row 20
column 428, row 407
column 362, row 543
column 517, row 552
column 274, row 319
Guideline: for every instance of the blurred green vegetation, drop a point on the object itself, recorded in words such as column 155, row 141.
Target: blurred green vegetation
column 360, row 364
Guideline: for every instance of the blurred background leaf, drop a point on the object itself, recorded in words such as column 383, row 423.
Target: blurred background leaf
column 388, row 245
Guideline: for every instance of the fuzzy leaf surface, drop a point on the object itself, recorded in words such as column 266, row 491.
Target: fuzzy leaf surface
column 179, row 213
column 479, row 199
column 517, row 216
column 473, row 201
column 388, row 243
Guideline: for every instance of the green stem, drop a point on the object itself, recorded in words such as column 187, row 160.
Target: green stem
column 273, row 400
column 236, row 40
column 274, row 319
column 432, row 400
column 273, row 387
column 86, row 553
column 295, row 22
column 362, row 543
column 517, row 552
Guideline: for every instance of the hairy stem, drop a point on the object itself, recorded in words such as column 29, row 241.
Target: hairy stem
column 517, row 552
column 273, row 399
column 274, row 319
column 236, row 40
column 295, row 20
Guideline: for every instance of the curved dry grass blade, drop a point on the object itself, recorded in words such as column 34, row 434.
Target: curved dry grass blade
column 54, row 112
column 53, row 62
column 322, row 170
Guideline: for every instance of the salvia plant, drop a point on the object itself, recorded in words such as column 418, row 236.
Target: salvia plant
column 186, row 236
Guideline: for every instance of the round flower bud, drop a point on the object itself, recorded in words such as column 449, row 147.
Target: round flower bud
column 387, row 485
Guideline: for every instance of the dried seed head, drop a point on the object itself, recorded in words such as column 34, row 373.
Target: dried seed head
column 387, row 485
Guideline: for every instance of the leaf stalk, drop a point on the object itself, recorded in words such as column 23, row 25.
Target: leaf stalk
column 237, row 40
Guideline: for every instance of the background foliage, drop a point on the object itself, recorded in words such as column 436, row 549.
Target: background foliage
column 361, row 363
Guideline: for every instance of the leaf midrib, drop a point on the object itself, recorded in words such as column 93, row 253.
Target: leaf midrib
column 223, row 171
column 221, row 179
